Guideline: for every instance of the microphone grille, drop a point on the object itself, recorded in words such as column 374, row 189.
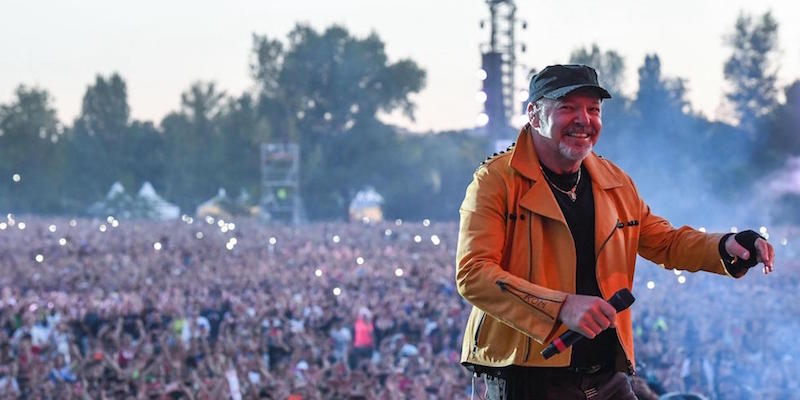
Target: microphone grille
column 622, row 299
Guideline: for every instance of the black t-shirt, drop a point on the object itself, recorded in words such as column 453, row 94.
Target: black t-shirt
column 580, row 219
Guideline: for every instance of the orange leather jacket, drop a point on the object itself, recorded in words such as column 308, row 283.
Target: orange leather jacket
column 516, row 257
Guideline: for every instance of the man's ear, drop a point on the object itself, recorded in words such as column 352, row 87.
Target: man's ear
column 533, row 116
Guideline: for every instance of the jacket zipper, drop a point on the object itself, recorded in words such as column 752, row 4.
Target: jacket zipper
column 618, row 225
column 477, row 333
column 530, row 273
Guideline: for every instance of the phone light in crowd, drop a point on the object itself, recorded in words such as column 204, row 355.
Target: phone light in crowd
column 3, row 226
column 272, row 241
column 681, row 279
column 480, row 97
column 233, row 240
column 198, row 235
column 51, row 228
column 398, row 272
column 336, row 239
column 435, row 240
column 398, row 222
column 482, row 74
column 734, row 229
column 522, row 95
column 651, row 284
column 39, row 258
column 157, row 246
column 16, row 178
column 210, row 220
column 762, row 230
column 426, row 222
column 702, row 229
column 337, row 291
column 231, row 226
column 417, row 238
column 230, row 245
column 114, row 223
column 482, row 119
column 62, row 242
column 221, row 223
column 102, row 227
column 784, row 242
column 109, row 219
column 318, row 273
column 73, row 223
column 21, row 226
column 223, row 229
column 360, row 260
column 387, row 232
column 677, row 272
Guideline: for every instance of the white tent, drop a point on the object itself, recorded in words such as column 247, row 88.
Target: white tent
column 156, row 206
column 366, row 206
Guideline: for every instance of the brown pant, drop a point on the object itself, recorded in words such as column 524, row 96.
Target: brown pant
column 560, row 385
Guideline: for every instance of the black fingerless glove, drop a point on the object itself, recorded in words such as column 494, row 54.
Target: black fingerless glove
column 737, row 266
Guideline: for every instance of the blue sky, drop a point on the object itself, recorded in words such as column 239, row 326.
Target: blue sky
column 161, row 47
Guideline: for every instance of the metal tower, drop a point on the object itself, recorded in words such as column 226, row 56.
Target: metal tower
column 280, row 182
column 499, row 63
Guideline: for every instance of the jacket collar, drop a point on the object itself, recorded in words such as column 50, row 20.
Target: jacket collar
column 539, row 198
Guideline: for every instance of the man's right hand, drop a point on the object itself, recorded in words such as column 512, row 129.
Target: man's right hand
column 587, row 315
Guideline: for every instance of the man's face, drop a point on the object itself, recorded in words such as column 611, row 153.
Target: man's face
column 567, row 129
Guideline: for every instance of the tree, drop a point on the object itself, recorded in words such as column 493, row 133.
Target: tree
column 657, row 96
column 105, row 109
column 782, row 132
column 99, row 151
column 324, row 90
column 610, row 66
column 195, row 165
column 750, row 69
column 30, row 149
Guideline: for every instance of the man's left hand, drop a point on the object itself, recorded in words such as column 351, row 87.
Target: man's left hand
column 766, row 254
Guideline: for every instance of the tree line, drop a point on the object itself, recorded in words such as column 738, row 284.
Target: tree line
column 325, row 89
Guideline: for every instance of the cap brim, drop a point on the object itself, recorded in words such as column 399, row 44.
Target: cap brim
column 561, row 92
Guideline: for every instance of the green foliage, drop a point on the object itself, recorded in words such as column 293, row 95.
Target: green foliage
column 610, row 66
column 781, row 137
column 30, row 146
column 750, row 70
column 103, row 146
column 324, row 91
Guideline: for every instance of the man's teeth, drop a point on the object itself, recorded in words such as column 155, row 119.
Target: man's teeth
column 578, row 135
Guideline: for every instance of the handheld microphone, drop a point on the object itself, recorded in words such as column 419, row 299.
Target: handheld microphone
column 620, row 301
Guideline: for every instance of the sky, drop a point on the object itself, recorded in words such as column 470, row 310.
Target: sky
column 161, row 47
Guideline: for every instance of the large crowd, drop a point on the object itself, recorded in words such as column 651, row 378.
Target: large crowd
column 200, row 308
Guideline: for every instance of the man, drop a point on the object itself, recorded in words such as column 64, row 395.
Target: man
column 548, row 231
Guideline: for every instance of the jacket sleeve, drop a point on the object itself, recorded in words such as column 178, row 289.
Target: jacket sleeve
column 481, row 280
column 683, row 248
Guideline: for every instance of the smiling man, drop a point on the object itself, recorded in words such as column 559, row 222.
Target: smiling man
column 548, row 231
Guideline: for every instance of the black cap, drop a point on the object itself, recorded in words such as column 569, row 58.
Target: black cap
column 557, row 81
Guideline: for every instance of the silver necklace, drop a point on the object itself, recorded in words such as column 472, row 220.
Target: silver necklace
column 571, row 192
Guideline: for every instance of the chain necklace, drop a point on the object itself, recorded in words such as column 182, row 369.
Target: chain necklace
column 571, row 192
